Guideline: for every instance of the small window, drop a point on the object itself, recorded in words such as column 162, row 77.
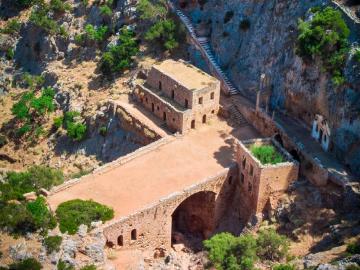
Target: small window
column 201, row 100
column 213, row 111
column 212, row 95
column 230, row 180
column 172, row 94
column 160, row 86
column 158, row 108
column 186, row 103
column 133, row 234
column 242, row 178
column 120, row 241
column 164, row 116
column 173, row 119
column 251, row 170
column 146, row 99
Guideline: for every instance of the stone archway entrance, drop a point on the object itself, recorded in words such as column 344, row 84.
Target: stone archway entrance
column 193, row 220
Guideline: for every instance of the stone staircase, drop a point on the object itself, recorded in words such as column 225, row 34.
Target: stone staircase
column 204, row 43
column 237, row 117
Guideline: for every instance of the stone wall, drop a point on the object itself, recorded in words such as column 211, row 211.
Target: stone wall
column 153, row 224
column 263, row 184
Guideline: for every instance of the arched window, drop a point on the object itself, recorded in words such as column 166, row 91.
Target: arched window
column 133, row 234
column 120, row 241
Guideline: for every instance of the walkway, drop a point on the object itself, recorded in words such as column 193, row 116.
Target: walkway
column 171, row 167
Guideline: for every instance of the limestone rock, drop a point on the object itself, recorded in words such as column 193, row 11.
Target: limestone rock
column 19, row 252
column 82, row 231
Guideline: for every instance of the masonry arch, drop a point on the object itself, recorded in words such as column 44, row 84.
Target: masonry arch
column 193, row 220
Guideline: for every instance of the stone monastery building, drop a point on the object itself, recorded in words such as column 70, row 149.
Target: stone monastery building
column 180, row 94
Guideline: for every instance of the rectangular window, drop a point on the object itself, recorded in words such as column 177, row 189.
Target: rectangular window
column 251, row 170
column 244, row 162
column 250, row 187
column 242, row 178
column 212, row 95
column 186, row 103
column 201, row 100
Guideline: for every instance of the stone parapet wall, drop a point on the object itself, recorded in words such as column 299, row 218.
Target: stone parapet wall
column 153, row 224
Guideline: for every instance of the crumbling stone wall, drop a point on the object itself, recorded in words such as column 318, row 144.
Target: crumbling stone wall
column 153, row 225
column 262, row 185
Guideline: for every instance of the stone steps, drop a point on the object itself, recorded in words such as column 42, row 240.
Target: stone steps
column 237, row 117
column 204, row 43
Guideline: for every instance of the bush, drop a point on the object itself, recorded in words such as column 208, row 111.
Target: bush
column 271, row 245
column 163, row 29
column 353, row 247
column 52, row 243
column 10, row 53
column 72, row 214
column 42, row 217
column 41, row 19
column 64, row 266
column 75, row 129
column 284, row 267
column 34, row 82
column 15, row 218
column 58, row 122
column 103, row 131
column 119, row 57
column 325, row 36
column 267, row 154
column 59, row 6
column 12, row 27
column 105, row 10
column 229, row 252
column 27, row 264
column 35, row 178
column 97, row 34
column 357, row 55
column 3, row 140
column 88, row 267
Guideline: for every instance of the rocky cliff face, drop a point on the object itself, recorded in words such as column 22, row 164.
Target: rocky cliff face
column 254, row 37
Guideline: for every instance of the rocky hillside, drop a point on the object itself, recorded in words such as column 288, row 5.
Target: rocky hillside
column 250, row 38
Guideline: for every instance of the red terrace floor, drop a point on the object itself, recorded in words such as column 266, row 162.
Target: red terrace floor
column 170, row 168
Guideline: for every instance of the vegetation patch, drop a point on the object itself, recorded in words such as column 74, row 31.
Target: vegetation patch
column 52, row 243
column 72, row 214
column 267, row 154
column 325, row 37
column 74, row 125
column 120, row 57
column 27, row 264
column 35, row 178
column 229, row 252
column 11, row 27
column 163, row 28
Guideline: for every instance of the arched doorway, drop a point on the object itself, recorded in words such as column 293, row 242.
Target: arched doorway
column 204, row 119
column 193, row 124
column 193, row 220
column 278, row 138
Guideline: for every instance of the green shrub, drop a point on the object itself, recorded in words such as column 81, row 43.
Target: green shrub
column 15, row 218
column 229, row 252
column 75, row 129
column 40, row 18
column 120, row 57
column 163, row 28
column 13, row 26
column 52, row 243
column 35, row 178
column 352, row 266
column 64, row 266
column 284, row 267
column 353, row 247
column 33, row 82
column 10, row 53
column 27, row 264
column 267, row 154
column 72, row 214
column 59, row 6
column 271, row 245
column 79, row 39
column 325, row 37
column 105, row 10
column 357, row 55
column 97, row 34
column 42, row 217
column 88, row 267
column 58, row 122
column 103, row 131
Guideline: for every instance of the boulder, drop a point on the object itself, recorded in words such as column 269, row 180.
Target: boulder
column 31, row 196
column 19, row 252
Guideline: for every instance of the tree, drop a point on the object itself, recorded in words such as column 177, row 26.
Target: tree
column 120, row 57
column 325, row 36
column 271, row 245
column 163, row 28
